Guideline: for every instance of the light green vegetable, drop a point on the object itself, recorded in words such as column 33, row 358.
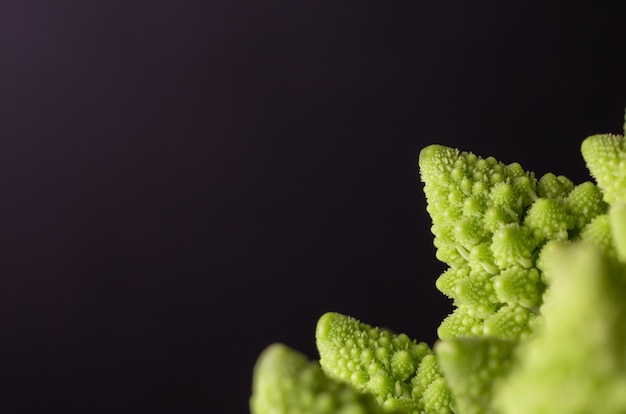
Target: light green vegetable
column 490, row 221
column 473, row 367
column 286, row 382
column 537, row 277
column 398, row 371
column 577, row 361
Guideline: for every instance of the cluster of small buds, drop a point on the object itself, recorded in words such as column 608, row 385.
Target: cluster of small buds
column 537, row 271
column 286, row 381
column 490, row 222
column 400, row 372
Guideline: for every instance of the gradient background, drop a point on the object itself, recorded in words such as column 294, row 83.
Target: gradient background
column 186, row 182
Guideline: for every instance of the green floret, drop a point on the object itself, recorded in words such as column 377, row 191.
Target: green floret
column 506, row 197
column 287, row 382
column 598, row 233
column 513, row 245
column 510, row 322
column 477, row 207
column 554, row 187
column 617, row 218
column 507, row 322
column 605, row 157
column 460, row 188
column 476, row 291
column 498, row 216
column 517, row 284
column 432, row 386
column 469, row 232
column 481, row 258
column 537, row 276
column 474, row 367
column 448, row 281
column 576, row 363
column 463, row 321
column 549, row 219
column 490, row 221
column 584, row 203
column 377, row 361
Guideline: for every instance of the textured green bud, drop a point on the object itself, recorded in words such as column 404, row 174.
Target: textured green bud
column 373, row 360
column 585, row 202
column 473, row 367
column 463, row 321
column 512, row 245
column 553, row 187
column 549, row 219
column 575, row 362
column 605, row 157
column 287, row 382
column 510, row 322
column 598, row 232
column 519, row 285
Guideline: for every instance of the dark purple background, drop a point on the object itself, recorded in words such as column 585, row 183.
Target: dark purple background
column 184, row 183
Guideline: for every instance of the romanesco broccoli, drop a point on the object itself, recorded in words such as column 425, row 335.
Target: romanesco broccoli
column 537, row 277
column 397, row 370
column 285, row 381
column 576, row 364
column 492, row 250
column 472, row 367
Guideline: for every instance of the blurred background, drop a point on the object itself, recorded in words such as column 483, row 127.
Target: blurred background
column 184, row 183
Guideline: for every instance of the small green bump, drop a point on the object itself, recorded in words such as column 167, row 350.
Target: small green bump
column 549, row 219
column 472, row 367
column 371, row 359
column 460, row 322
column 510, row 322
column 519, row 285
column 469, row 232
column 476, row 292
column 435, row 160
column 402, row 364
column 617, row 217
column 449, row 280
column 324, row 324
column 553, row 187
column 286, row 381
column 605, row 157
column 496, row 217
column 513, row 244
column 598, row 232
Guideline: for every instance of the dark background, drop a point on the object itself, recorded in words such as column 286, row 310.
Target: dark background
column 186, row 182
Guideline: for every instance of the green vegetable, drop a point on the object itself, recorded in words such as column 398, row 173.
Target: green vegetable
column 537, row 277
column 577, row 361
column 285, row 381
column 398, row 371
